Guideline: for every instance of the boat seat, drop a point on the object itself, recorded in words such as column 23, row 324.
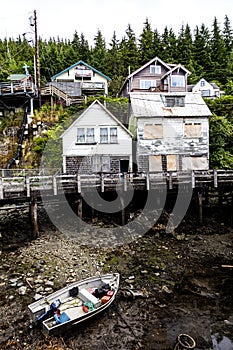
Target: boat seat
column 75, row 312
column 86, row 296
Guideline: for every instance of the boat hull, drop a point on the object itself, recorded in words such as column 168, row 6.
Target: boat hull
column 73, row 307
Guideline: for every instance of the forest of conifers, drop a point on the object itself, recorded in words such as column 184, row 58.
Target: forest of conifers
column 206, row 52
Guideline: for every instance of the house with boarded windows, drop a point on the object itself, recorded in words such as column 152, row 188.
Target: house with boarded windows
column 97, row 142
column 169, row 123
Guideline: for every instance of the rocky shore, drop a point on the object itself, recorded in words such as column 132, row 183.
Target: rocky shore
column 182, row 282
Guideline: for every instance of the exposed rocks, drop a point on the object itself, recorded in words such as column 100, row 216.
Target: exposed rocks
column 171, row 285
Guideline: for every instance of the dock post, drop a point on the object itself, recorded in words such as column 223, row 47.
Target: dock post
column 200, row 207
column 80, row 207
column 123, row 210
column 33, row 218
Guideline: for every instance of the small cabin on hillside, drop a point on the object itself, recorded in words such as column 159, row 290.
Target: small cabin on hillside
column 171, row 129
column 156, row 76
column 207, row 90
column 97, row 142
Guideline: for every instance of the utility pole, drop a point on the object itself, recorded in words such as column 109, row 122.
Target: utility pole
column 34, row 24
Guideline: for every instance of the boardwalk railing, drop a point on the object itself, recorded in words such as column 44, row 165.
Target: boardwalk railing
column 17, row 87
column 52, row 185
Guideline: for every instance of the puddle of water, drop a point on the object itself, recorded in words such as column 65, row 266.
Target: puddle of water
column 221, row 342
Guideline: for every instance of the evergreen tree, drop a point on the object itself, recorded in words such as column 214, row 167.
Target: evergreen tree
column 228, row 34
column 218, row 54
column 146, row 44
column 129, row 51
column 84, row 48
column 202, row 53
column 98, row 57
column 115, row 69
column 157, row 43
column 169, row 46
column 185, row 47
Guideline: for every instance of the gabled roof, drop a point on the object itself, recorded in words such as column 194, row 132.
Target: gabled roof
column 105, row 110
column 76, row 64
column 178, row 66
column 147, row 64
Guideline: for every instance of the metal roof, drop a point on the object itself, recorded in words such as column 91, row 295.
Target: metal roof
column 16, row 77
column 152, row 105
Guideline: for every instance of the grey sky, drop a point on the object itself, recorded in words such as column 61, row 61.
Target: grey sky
column 61, row 18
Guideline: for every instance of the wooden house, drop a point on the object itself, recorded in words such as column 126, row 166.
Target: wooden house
column 97, row 142
column 171, row 129
column 89, row 79
column 207, row 90
column 156, row 76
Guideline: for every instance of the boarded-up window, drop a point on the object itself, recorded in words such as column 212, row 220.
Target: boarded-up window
column 153, row 131
column 171, row 162
column 192, row 130
column 195, row 163
column 155, row 163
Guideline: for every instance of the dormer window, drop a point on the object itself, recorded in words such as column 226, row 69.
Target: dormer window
column 173, row 101
column 177, row 81
column 154, row 69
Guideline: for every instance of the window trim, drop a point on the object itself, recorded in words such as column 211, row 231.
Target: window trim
column 85, row 132
column 157, row 71
column 179, row 101
column 145, row 81
column 177, row 76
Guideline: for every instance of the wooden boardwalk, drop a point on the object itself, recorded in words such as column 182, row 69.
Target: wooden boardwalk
column 26, row 186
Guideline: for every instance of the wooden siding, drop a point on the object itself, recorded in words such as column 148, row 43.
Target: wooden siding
column 145, row 74
column 69, row 76
column 95, row 117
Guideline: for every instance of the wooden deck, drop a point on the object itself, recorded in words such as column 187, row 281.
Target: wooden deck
column 17, row 88
column 25, row 185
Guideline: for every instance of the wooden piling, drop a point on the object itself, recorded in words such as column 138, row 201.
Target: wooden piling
column 123, row 210
column 80, row 207
column 33, row 218
column 200, row 208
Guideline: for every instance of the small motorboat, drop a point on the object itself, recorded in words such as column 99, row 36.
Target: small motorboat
column 74, row 304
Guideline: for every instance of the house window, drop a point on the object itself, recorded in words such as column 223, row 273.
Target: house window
column 90, row 135
column 103, row 135
column 81, row 135
column 192, row 130
column 177, row 81
column 153, row 131
column 174, row 101
column 202, row 82
column 205, row 93
column 113, row 135
column 147, row 84
column 85, row 135
column 155, row 69
column 100, row 163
